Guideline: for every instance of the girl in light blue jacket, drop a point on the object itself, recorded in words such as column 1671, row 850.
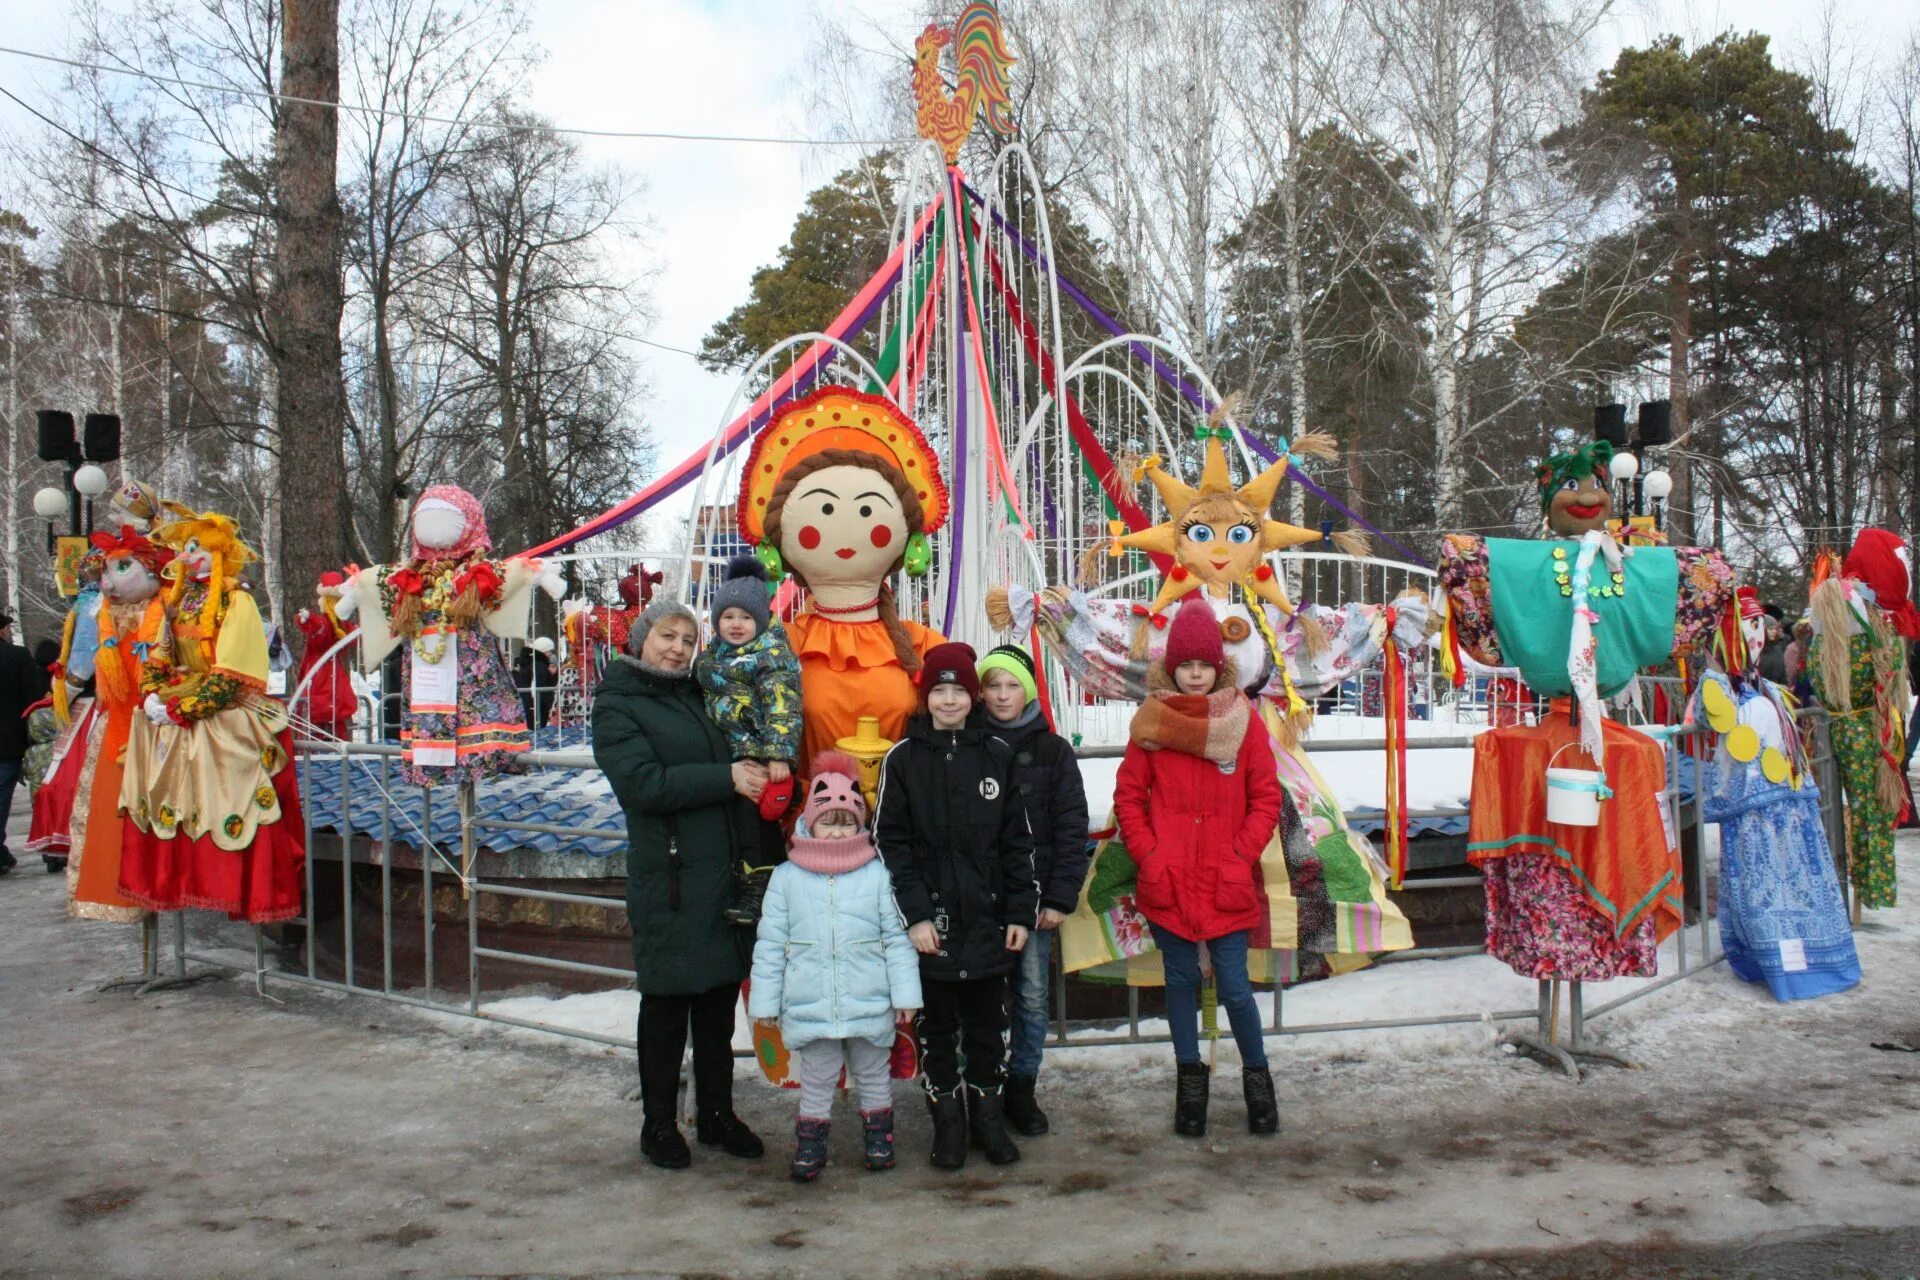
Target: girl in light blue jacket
column 833, row 967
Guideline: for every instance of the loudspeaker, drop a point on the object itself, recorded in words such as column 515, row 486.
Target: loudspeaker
column 101, row 437
column 56, row 435
column 1656, row 423
column 1610, row 424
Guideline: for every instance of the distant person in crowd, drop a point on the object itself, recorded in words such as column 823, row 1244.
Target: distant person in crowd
column 534, row 677
column 1797, row 658
column 1773, row 655
column 675, row 777
column 23, row 682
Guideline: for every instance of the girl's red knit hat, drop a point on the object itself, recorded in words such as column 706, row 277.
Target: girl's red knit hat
column 950, row 663
column 1194, row 635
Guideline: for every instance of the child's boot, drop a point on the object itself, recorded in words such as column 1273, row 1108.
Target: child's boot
column 1024, row 1115
column 809, row 1149
column 876, row 1127
column 987, row 1120
column 1263, row 1112
column 1190, row 1100
column 749, row 890
column 949, row 1130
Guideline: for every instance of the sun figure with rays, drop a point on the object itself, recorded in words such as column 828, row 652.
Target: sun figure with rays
column 1218, row 535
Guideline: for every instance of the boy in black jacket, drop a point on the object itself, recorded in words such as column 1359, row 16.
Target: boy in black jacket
column 951, row 827
column 1048, row 779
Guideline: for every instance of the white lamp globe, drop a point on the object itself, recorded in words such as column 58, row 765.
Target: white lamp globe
column 1624, row 466
column 91, row 481
column 1657, row 485
column 50, row 503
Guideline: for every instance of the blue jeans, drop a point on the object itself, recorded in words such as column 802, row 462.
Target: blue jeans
column 1029, row 1004
column 1182, row 959
column 9, row 779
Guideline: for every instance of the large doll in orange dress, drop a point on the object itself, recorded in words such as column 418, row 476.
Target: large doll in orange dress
column 131, row 619
column 841, row 490
column 211, row 803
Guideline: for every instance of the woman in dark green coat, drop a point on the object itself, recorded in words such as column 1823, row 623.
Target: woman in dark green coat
column 674, row 775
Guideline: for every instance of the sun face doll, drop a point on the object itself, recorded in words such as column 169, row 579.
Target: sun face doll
column 841, row 490
column 211, row 803
column 448, row 603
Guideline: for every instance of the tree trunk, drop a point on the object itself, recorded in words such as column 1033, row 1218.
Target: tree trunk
column 1680, row 522
column 12, row 478
column 310, row 398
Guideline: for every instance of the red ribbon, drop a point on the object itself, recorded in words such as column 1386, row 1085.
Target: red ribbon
column 1159, row 620
column 481, row 576
column 1395, row 700
column 406, row 581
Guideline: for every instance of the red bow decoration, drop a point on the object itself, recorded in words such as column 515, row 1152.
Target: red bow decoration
column 1159, row 620
column 482, row 577
column 406, row 581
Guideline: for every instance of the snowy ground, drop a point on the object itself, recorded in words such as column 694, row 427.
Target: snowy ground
column 206, row 1132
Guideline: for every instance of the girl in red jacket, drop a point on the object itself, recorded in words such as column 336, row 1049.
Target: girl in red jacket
column 1197, row 801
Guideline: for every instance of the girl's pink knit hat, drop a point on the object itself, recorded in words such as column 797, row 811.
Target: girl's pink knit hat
column 835, row 785
column 1194, row 635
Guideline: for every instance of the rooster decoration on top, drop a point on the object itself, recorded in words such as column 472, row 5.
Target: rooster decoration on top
column 980, row 61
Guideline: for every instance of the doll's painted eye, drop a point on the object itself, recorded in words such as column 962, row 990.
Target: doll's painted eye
column 1240, row 534
column 866, row 512
column 826, row 508
column 1200, row 532
column 1570, row 485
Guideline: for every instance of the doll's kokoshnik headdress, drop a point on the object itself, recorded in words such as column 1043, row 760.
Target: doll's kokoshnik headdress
column 838, row 418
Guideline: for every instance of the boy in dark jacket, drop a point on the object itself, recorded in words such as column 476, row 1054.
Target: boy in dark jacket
column 953, row 832
column 1048, row 779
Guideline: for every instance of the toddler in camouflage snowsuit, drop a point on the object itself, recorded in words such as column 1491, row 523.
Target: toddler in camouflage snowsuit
column 752, row 684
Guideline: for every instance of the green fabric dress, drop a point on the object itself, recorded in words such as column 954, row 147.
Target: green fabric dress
column 672, row 772
column 1856, row 750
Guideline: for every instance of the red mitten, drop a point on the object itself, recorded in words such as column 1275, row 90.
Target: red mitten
column 775, row 799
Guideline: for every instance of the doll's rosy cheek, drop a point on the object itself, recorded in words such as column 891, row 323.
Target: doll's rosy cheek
column 881, row 535
column 809, row 536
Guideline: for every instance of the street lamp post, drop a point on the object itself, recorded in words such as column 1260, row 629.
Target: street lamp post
column 84, row 479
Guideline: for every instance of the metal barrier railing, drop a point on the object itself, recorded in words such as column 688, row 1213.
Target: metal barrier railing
column 465, row 865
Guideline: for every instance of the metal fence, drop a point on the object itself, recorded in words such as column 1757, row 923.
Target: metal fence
column 402, row 850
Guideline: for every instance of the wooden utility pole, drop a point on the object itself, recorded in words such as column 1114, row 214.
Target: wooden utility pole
column 310, row 402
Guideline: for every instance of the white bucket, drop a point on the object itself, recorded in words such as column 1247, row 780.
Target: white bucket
column 1574, row 795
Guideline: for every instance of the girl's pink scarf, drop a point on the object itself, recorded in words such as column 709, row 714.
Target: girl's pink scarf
column 831, row 857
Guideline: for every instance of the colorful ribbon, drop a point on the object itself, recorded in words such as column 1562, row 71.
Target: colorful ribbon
column 1395, row 700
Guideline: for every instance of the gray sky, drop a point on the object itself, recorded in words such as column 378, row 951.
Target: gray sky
column 717, row 212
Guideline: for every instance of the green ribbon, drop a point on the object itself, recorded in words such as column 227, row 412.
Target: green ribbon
column 1203, row 433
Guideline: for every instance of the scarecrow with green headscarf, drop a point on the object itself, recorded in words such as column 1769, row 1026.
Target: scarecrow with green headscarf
column 1576, row 613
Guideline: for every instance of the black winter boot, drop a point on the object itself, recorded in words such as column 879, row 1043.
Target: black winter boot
column 987, row 1128
column 1024, row 1115
column 809, row 1149
column 749, row 890
column 876, row 1129
column 1263, row 1112
column 660, row 1142
column 949, row 1130
column 725, row 1130
column 1190, row 1100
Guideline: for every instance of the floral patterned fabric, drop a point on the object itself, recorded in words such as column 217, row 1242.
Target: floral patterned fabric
column 488, row 729
column 1540, row 922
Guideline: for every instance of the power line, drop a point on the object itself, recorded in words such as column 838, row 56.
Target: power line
column 508, row 126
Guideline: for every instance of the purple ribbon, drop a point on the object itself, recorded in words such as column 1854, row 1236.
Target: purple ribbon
column 1172, row 378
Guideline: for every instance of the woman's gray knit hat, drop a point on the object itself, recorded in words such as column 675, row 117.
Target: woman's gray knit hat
column 662, row 607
